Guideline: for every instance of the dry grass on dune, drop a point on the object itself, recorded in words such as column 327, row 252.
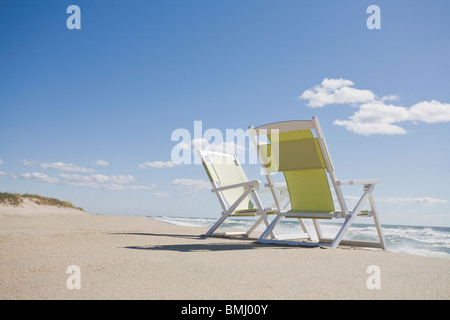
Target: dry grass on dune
column 16, row 200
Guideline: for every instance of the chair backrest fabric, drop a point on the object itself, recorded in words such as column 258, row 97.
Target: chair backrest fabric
column 298, row 155
column 225, row 170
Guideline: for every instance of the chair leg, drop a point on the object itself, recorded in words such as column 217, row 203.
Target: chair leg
column 227, row 211
column 262, row 212
column 267, row 223
column 318, row 230
column 254, row 226
column 350, row 218
column 343, row 231
column 217, row 224
column 269, row 229
column 376, row 219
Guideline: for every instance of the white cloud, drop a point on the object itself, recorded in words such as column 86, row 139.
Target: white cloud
column 157, row 164
column 391, row 97
column 161, row 194
column 1, row 161
column 413, row 200
column 68, row 167
column 228, row 147
column 191, row 183
column 102, row 163
column 336, row 91
column 99, row 178
column 351, row 200
column 38, row 176
column 376, row 118
column 96, row 181
column 119, row 187
column 199, row 143
column 430, row 112
column 112, row 182
column 113, row 186
column 374, row 115
column 379, row 118
column 178, row 147
column 7, row 175
column 335, row 84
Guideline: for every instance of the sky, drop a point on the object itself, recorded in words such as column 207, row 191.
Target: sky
column 100, row 115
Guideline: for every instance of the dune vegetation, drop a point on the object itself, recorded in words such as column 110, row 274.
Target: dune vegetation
column 15, row 199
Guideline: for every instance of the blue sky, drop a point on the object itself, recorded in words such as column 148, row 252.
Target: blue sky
column 87, row 115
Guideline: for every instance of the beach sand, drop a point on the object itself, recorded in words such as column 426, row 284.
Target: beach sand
column 127, row 257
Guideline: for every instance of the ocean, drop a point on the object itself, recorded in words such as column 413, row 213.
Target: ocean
column 416, row 240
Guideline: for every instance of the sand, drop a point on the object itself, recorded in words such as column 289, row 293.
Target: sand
column 127, row 257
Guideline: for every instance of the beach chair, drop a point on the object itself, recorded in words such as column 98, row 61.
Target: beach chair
column 291, row 148
column 237, row 195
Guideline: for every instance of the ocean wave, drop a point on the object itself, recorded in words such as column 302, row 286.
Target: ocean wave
column 416, row 240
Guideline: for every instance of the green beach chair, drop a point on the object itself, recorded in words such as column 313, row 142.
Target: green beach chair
column 237, row 195
column 291, row 148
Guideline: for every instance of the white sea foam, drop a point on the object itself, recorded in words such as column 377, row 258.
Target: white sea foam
column 423, row 241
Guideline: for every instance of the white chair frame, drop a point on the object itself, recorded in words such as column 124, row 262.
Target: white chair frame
column 348, row 215
column 250, row 189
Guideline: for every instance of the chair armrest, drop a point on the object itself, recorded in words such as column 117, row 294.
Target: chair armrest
column 277, row 185
column 261, row 191
column 354, row 182
column 248, row 184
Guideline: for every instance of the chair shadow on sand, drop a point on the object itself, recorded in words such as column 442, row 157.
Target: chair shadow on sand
column 235, row 243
